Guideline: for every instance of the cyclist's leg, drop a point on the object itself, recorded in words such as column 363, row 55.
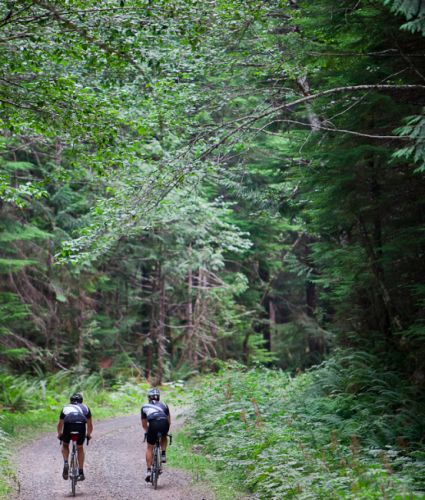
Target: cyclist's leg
column 150, row 438
column 65, row 454
column 164, row 427
column 65, row 451
column 149, row 460
column 66, row 438
column 164, row 443
column 80, row 449
column 149, row 455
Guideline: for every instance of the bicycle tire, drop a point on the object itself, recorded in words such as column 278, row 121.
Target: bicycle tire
column 156, row 466
column 73, row 470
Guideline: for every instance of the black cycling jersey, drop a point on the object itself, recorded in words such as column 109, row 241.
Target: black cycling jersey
column 75, row 413
column 155, row 411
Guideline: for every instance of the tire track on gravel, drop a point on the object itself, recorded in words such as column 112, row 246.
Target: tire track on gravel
column 114, row 469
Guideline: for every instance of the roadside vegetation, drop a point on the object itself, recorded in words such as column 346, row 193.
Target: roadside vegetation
column 187, row 455
column 328, row 433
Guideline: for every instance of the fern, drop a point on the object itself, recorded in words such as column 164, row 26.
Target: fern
column 412, row 10
column 415, row 151
column 306, row 436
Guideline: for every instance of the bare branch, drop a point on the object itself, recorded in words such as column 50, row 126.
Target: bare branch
column 249, row 120
column 383, row 53
column 340, row 90
column 22, row 106
column 330, row 129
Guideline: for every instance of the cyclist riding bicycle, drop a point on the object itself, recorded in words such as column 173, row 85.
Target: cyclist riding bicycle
column 74, row 417
column 155, row 418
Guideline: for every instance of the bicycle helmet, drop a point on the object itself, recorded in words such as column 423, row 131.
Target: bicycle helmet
column 76, row 398
column 153, row 394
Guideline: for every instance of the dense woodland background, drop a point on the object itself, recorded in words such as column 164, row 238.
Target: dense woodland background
column 188, row 183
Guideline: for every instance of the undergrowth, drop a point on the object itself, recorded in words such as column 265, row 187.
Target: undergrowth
column 347, row 429
column 182, row 455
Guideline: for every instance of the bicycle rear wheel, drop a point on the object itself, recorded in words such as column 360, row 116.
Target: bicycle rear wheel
column 156, row 466
column 73, row 469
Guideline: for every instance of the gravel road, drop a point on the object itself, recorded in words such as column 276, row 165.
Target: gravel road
column 114, row 469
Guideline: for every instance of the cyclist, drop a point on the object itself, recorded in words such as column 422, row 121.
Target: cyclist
column 74, row 416
column 155, row 418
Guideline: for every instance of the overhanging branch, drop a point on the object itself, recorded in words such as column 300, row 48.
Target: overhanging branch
column 250, row 119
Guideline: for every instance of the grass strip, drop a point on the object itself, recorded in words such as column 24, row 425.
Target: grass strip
column 183, row 454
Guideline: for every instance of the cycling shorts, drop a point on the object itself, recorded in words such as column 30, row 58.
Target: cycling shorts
column 74, row 427
column 155, row 426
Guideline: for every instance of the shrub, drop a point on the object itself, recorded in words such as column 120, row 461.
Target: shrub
column 329, row 433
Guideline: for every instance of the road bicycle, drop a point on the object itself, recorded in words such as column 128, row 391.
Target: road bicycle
column 74, row 466
column 156, row 469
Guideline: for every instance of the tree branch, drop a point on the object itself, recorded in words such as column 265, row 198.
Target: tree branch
column 249, row 120
column 329, row 129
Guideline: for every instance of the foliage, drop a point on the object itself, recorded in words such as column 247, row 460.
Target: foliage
column 414, row 12
column 183, row 455
column 306, row 436
column 4, row 456
column 414, row 128
column 189, row 182
column 214, row 180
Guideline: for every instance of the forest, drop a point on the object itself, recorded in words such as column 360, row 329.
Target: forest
column 231, row 190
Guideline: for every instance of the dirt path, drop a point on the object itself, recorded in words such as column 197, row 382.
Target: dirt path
column 115, row 467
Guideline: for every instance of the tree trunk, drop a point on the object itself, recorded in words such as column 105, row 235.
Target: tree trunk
column 245, row 347
column 189, row 309
column 160, row 331
column 79, row 323
column 310, row 293
column 272, row 323
column 377, row 272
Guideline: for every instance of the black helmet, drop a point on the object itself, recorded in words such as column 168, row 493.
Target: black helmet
column 153, row 394
column 76, row 398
